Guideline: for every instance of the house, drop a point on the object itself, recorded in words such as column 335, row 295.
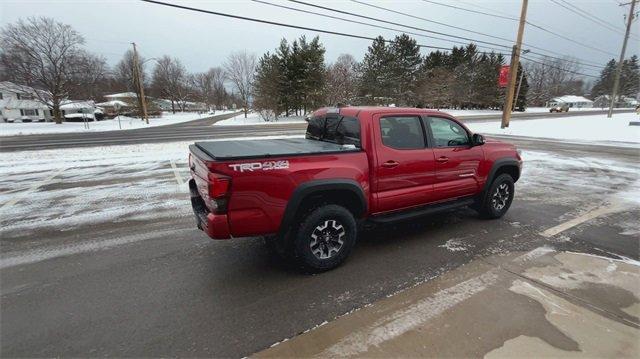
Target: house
column 571, row 100
column 604, row 101
column 80, row 110
column 19, row 103
column 129, row 97
column 114, row 107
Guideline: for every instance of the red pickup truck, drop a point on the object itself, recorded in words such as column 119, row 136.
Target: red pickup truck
column 309, row 196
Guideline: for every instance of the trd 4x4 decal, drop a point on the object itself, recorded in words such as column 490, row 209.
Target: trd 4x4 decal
column 260, row 166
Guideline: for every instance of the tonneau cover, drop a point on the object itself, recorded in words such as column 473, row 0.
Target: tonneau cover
column 236, row 150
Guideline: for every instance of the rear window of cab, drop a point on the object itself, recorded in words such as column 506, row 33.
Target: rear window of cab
column 342, row 130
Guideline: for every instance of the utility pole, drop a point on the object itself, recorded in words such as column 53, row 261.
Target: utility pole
column 616, row 79
column 140, row 85
column 513, row 68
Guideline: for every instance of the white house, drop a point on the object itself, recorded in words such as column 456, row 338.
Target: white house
column 80, row 110
column 623, row 101
column 18, row 103
column 571, row 100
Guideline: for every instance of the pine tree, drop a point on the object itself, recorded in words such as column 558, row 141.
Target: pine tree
column 375, row 73
column 267, row 89
column 604, row 84
column 405, row 68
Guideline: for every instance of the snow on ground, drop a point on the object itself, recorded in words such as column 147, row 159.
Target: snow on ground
column 496, row 112
column 69, row 188
column 592, row 129
column 254, row 118
column 124, row 123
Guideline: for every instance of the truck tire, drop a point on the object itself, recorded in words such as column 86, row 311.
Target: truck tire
column 498, row 198
column 324, row 239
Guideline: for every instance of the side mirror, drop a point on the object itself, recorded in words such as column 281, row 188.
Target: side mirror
column 477, row 139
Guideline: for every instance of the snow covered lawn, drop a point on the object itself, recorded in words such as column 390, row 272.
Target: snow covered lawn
column 125, row 123
column 254, row 118
column 592, row 129
column 70, row 188
column 495, row 112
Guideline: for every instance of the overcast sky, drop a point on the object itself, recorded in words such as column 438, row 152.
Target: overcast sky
column 202, row 41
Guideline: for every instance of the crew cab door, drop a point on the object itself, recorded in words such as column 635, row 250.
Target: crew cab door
column 457, row 161
column 405, row 167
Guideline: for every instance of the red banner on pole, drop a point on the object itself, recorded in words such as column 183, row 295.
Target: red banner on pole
column 503, row 79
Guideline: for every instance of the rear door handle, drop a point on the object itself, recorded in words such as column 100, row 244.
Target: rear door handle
column 390, row 164
column 443, row 159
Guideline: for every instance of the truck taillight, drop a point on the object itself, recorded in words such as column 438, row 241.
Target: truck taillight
column 218, row 187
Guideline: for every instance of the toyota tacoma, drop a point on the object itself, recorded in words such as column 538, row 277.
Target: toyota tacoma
column 356, row 165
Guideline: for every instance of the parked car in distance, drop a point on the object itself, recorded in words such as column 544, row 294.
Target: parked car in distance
column 310, row 196
column 559, row 108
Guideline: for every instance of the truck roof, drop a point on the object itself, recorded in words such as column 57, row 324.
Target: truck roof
column 355, row 110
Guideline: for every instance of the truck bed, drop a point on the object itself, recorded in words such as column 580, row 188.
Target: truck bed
column 238, row 150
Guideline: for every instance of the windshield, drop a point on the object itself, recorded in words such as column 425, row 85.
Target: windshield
column 335, row 129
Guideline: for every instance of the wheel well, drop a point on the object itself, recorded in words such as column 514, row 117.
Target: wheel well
column 511, row 170
column 342, row 197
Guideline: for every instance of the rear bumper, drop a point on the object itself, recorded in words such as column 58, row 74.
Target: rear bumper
column 214, row 225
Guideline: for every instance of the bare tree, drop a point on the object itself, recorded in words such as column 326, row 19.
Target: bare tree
column 91, row 77
column 551, row 78
column 124, row 73
column 240, row 69
column 170, row 80
column 44, row 54
column 342, row 80
column 218, row 79
column 210, row 87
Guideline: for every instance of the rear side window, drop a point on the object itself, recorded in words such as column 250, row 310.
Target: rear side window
column 336, row 129
column 402, row 132
column 447, row 133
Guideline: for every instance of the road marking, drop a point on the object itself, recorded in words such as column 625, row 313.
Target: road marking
column 40, row 255
column 597, row 212
column 176, row 173
column 32, row 189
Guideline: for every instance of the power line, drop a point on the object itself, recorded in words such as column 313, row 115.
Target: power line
column 362, row 23
column 473, row 11
column 587, row 16
column 307, row 28
column 277, row 23
column 586, row 63
column 398, row 24
column 559, row 68
column 543, row 28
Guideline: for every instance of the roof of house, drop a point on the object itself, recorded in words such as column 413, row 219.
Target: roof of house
column 12, row 103
column 76, row 104
column 570, row 98
column 122, row 95
column 113, row 103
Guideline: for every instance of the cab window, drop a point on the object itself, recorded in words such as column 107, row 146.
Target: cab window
column 447, row 133
column 402, row 132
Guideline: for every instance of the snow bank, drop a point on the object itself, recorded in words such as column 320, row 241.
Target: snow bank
column 592, row 128
column 124, row 123
column 255, row 119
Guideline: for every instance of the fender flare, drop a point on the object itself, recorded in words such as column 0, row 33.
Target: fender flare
column 497, row 164
column 307, row 189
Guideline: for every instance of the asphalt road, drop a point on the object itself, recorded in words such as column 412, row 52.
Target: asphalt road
column 154, row 286
column 199, row 129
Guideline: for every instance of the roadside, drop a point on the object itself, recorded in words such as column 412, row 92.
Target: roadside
column 540, row 303
column 120, row 123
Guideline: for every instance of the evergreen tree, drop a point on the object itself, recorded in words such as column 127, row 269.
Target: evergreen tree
column 405, row 69
column 267, row 90
column 375, row 73
column 604, row 84
column 520, row 103
column 283, row 53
